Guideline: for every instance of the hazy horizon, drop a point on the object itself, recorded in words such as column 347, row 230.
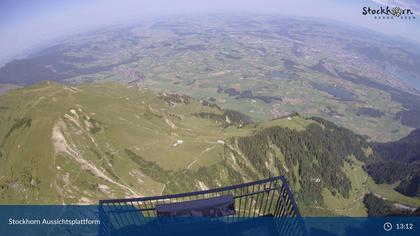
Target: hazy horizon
column 25, row 26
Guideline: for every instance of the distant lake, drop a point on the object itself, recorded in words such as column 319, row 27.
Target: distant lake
column 335, row 91
column 413, row 82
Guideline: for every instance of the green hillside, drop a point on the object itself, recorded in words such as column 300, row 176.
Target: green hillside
column 68, row 144
column 65, row 144
column 265, row 66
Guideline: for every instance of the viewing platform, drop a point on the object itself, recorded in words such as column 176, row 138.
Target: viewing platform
column 263, row 207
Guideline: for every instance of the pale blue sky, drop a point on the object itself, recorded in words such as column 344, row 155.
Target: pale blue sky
column 30, row 23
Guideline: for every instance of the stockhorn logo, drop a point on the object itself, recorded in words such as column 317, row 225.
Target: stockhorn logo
column 396, row 11
column 389, row 13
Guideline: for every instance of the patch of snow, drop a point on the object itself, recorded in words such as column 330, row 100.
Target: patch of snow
column 228, row 120
column 178, row 142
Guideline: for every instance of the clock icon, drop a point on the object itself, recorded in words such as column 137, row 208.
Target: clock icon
column 387, row 226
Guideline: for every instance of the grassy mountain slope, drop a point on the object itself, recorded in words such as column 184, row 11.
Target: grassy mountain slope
column 71, row 142
column 64, row 144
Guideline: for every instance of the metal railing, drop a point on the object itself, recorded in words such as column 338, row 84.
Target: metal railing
column 268, row 198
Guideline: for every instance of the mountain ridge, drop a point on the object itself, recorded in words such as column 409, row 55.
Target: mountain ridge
column 78, row 144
